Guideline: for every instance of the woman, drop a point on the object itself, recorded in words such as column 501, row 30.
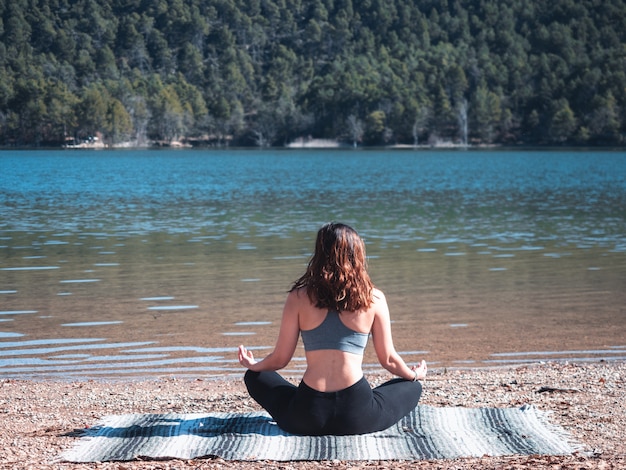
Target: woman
column 335, row 307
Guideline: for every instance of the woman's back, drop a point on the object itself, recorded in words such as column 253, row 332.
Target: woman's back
column 338, row 364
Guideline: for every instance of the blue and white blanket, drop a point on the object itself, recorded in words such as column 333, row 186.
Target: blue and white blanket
column 426, row 433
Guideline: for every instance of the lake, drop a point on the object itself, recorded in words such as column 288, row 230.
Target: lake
column 119, row 264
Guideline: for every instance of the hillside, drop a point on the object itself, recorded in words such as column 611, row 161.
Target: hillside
column 267, row 72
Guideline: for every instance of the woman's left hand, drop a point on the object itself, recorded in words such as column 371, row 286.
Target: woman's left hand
column 246, row 358
column 420, row 371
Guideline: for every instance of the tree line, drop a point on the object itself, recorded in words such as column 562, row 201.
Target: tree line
column 267, row 72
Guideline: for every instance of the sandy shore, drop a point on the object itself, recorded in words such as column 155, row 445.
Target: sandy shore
column 40, row 419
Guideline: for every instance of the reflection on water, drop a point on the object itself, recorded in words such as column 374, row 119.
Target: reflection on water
column 172, row 307
column 17, row 312
column 30, row 268
column 164, row 262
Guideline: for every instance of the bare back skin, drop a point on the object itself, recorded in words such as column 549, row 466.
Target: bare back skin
column 330, row 370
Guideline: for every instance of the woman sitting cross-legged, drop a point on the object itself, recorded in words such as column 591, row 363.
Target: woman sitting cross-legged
column 335, row 307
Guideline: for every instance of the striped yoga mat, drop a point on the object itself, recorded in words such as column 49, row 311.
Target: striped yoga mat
column 426, row 433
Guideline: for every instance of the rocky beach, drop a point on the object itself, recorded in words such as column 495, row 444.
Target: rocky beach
column 43, row 418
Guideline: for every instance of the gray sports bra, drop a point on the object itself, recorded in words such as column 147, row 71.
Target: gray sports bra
column 333, row 334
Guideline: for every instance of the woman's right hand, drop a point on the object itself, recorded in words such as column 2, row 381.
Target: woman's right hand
column 420, row 371
column 246, row 358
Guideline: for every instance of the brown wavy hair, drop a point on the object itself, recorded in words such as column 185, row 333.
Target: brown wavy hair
column 336, row 277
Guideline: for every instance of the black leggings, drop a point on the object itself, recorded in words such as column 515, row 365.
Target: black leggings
column 358, row 409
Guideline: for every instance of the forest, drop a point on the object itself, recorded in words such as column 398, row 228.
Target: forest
column 270, row 72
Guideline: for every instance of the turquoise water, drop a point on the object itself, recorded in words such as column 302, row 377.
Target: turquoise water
column 577, row 197
column 169, row 259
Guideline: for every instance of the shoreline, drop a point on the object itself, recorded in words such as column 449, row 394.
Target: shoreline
column 317, row 144
column 43, row 418
column 290, row 374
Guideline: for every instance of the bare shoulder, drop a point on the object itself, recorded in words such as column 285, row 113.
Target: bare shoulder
column 378, row 296
column 297, row 295
column 379, row 305
column 297, row 299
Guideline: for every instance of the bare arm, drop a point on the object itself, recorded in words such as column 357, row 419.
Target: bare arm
column 285, row 344
column 383, row 343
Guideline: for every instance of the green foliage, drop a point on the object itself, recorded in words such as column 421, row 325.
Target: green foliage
column 264, row 72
